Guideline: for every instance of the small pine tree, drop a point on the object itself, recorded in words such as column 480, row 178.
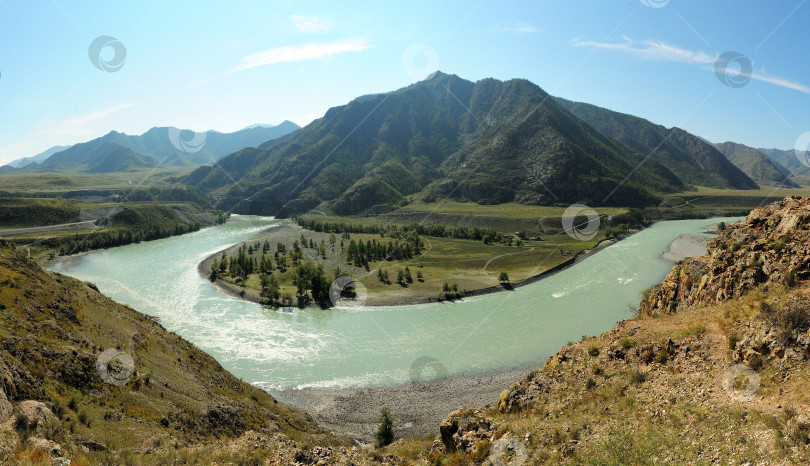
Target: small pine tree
column 385, row 431
column 503, row 277
column 419, row 275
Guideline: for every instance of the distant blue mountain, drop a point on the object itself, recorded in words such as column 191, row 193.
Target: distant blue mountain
column 41, row 157
column 164, row 146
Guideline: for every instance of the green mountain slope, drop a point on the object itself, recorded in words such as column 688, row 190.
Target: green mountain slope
column 691, row 158
column 488, row 142
column 99, row 157
column 755, row 164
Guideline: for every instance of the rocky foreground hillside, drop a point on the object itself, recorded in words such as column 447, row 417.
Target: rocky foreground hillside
column 715, row 369
column 84, row 380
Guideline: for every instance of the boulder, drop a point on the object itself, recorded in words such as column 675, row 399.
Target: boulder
column 36, row 411
column 49, row 447
column 464, row 429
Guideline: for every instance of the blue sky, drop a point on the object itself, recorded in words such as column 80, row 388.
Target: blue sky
column 226, row 65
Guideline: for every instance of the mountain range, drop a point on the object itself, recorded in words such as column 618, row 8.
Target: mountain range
column 161, row 146
column 695, row 161
column 41, row 157
column 788, row 160
column 756, row 164
column 488, row 142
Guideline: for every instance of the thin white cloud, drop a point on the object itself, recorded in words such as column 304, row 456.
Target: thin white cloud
column 660, row 51
column 312, row 24
column 311, row 51
column 657, row 51
column 518, row 28
column 781, row 82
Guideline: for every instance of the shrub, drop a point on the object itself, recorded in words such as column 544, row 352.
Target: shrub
column 638, row 377
column 732, row 342
column 23, row 426
column 663, row 355
column 626, row 343
column 385, row 431
column 792, row 278
column 593, row 351
column 58, row 410
column 756, row 362
column 590, row 383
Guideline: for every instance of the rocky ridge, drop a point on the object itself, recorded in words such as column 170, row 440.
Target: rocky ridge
column 772, row 246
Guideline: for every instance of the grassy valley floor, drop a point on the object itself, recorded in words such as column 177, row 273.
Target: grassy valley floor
column 472, row 266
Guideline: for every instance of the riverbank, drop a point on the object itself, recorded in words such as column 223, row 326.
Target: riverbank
column 687, row 246
column 395, row 296
column 417, row 408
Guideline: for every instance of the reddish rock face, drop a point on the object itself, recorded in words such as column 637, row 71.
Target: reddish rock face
column 771, row 246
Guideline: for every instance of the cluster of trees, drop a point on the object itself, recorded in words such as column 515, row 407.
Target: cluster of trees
column 241, row 265
column 360, row 253
column 311, row 283
column 449, row 292
column 271, row 291
column 397, row 231
column 310, row 277
column 310, row 280
column 37, row 212
column 121, row 237
column 506, row 240
column 404, row 276
column 319, row 248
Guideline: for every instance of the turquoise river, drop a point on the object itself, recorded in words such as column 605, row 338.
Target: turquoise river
column 376, row 346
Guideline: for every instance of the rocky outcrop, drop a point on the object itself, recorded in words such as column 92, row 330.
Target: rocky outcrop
column 465, row 429
column 772, row 246
column 5, row 407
